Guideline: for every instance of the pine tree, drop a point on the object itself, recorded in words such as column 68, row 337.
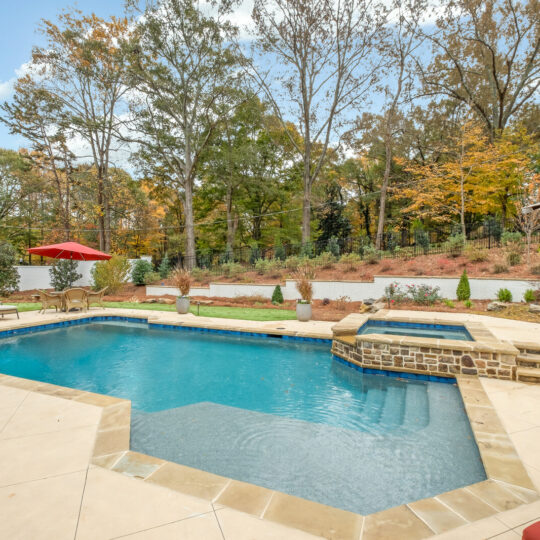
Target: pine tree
column 277, row 295
column 165, row 267
column 463, row 289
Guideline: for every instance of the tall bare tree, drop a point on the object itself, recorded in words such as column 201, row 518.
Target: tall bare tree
column 36, row 115
column 486, row 55
column 403, row 41
column 315, row 60
column 182, row 71
column 80, row 68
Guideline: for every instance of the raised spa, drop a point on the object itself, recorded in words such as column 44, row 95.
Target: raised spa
column 397, row 328
column 278, row 413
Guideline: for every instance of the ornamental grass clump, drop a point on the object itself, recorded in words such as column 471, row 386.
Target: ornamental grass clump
column 181, row 279
column 304, row 275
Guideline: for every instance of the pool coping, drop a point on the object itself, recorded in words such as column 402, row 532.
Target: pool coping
column 507, row 485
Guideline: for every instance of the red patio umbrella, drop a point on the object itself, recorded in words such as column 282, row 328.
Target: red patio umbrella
column 70, row 250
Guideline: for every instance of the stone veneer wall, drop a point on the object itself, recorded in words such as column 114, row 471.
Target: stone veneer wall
column 428, row 360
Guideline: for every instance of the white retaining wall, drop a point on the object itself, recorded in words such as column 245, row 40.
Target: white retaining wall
column 38, row 277
column 481, row 289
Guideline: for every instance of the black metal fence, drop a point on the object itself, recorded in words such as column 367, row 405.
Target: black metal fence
column 403, row 244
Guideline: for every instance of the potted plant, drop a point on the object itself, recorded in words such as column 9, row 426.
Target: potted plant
column 305, row 288
column 181, row 279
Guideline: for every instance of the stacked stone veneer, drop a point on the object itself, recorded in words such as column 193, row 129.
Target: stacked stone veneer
column 486, row 356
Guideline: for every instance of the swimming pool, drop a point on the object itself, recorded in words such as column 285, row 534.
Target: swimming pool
column 397, row 328
column 277, row 413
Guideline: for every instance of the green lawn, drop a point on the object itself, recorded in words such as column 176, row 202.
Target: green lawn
column 249, row 314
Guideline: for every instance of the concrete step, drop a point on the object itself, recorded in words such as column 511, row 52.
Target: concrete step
column 528, row 360
column 531, row 375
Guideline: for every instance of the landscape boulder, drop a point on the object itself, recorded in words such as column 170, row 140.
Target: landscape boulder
column 534, row 308
column 496, row 306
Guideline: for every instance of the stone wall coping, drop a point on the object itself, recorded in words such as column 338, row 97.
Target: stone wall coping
column 496, row 347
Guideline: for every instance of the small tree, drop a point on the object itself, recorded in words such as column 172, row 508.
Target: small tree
column 165, row 267
column 64, row 274
column 140, row 269
column 333, row 246
column 112, row 274
column 463, row 289
column 279, row 252
column 277, row 295
column 9, row 277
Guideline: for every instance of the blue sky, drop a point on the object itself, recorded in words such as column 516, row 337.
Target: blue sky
column 19, row 23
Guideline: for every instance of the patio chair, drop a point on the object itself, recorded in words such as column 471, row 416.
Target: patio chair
column 76, row 299
column 95, row 297
column 50, row 300
column 6, row 310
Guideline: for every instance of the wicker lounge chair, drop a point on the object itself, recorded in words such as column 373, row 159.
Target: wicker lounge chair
column 50, row 300
column 6, row 310
column 95, row 297
column 75, row 299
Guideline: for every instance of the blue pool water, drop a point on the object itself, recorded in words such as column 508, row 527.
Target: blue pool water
column 396, row 328
column 280, row 414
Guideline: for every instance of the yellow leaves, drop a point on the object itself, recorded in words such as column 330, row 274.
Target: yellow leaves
column 473, row 169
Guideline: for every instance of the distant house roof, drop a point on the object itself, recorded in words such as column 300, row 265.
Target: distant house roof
column 530, row 208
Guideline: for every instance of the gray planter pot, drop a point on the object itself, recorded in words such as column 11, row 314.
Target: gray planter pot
column 303, row 312
column 182, row 304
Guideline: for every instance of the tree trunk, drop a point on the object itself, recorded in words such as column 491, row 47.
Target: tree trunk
column 101, row 215
column 189, row 225
column 462, row 208
column 306, row 204
column 232, row 222
column 384, row 190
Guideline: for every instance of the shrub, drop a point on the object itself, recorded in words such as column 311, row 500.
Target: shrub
column 421, row 239
column 513, row 258
column 463, row 289
column 113, row 274
column 304, row 275
column 423, row 294
column 181, row 279
column 475, row 254
column 232, row 269
column 351, row 261
column 499, row 268
column 165, row 267
column 254, row 254
column 535, row 270
column 325, row 260
column 201, row 274
column 342, row 302
column 307, row 250
column 332, row 246
column 511, row 238
column 139, row 270
column 64, row 274
column 449, row 303
column 468, row 304
column 394, row 293
column 454, row 245
column 279, row 253
column 529, row 296
column 261, row 266
column 294, row 262
column 277, row 295
column 151, row 277
column 504, row 295
column 9, row 277
column 371, row 255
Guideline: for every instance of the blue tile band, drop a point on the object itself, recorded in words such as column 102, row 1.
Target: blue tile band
column 101, row 318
